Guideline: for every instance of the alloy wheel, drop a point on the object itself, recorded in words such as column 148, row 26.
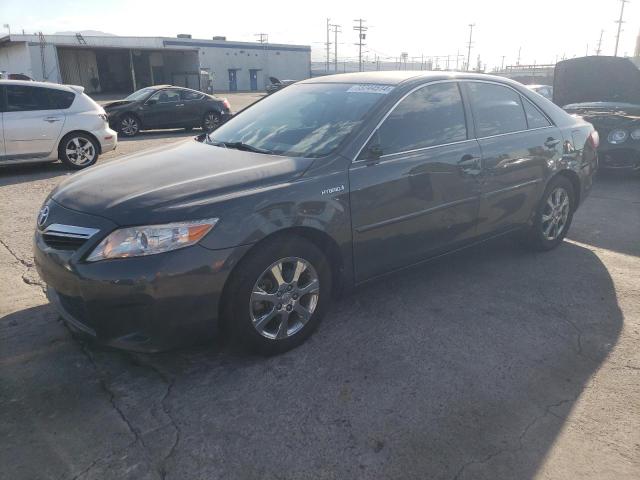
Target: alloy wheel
column 129, row 126
column 555, row 214
column 80, row 151
column 211, row 122
column 284, row 298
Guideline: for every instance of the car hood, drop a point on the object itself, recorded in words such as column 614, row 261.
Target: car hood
column 606, row 114
column 185, row 181
column 116, row 104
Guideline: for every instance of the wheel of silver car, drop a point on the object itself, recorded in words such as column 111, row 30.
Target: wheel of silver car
column 555, row 213
column 129, row 125
column 210, row 122
column 284, row 298
column 78, row 151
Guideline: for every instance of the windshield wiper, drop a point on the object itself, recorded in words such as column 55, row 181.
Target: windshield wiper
column 238, row 146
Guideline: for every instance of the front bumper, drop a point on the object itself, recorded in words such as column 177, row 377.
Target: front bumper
column 151, row 303
column 619, row 157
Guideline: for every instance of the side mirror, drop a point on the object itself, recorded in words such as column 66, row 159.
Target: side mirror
column 372, row 152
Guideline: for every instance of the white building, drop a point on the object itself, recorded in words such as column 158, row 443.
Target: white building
column 111, row 64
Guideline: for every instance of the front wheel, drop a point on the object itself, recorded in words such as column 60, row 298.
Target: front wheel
column 553, row 216
column 78, row 151
column 129, row 125
column 278, row 295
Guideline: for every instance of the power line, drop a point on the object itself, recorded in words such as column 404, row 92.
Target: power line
column 362, row 35
column 471, row 25
column 620, row 22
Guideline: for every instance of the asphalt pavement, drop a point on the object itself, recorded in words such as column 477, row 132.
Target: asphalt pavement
column 493, row 363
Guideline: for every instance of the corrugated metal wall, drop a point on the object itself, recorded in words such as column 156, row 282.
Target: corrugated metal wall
column 79, row 67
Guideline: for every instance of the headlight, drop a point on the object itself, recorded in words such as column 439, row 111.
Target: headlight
column 636, row 134
column 617, row 136
column 151, row 239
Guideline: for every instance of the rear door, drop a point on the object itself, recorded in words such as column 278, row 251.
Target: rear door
column 32, row 121
column 163, row 109
column 192, row 106
column 517, row 142
column 414, row 188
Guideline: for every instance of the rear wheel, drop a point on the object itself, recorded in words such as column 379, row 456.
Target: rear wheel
column 129, row 125
column 278, row 295
column 554, row 215
column 78, row 151
column 210, row 121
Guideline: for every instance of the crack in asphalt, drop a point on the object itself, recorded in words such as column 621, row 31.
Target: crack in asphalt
column 167, row 411
column 28, row 265
column 547, row 411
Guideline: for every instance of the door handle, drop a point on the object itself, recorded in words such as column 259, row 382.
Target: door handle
column 551, row 142
column 52, row 119
column 470, row 164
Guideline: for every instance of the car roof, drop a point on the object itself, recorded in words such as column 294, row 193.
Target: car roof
column 31, row 83
column 398, row 77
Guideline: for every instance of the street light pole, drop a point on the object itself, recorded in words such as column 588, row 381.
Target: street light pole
column 471, row 25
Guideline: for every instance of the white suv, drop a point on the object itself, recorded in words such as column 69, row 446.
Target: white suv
column 45, row 122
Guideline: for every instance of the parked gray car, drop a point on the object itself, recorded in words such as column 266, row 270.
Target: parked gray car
column 326, row 184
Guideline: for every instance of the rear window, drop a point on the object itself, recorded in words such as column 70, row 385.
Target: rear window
column 22, row 98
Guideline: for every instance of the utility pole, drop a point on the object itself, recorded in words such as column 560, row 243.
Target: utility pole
column 620, row 22
column 599, row 50
column 519, row 55
column 362, row 35
column 502, row 66
column 587, row 54
column 336, row 30
column 471, row 25
column 263, row 38
column 328, row 44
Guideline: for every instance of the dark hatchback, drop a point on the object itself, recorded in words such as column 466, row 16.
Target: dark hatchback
column 324, row 185
column 605, row 91
column 166, row 106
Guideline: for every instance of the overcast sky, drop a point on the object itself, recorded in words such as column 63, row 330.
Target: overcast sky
column 545, row 29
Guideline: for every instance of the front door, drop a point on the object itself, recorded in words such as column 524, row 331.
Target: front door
column 31, row 123
column 517, row 142
column 253, row 79
column 233, row 80
column 164, row 109
column 414, row 188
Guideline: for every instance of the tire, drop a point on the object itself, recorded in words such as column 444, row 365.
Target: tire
column 269, row 316
column 129, row 125
column 210, row 121
column 78, row 150
column 550, row 226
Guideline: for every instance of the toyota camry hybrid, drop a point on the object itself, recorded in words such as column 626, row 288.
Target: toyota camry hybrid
column 324, row 185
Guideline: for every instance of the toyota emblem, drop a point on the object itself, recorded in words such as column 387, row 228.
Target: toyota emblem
column 43, row 215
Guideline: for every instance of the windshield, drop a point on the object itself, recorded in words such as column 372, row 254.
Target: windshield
column 303, row 120
column 140, row 94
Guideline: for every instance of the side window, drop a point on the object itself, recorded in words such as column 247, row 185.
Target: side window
column 535, row 119
column 432, row 115
column 24, row 99
column 496, row 109
column 166, row 96
column 60, row 100
column 188, row 95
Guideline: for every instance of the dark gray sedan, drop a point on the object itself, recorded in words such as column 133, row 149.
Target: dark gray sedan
column 324, row 185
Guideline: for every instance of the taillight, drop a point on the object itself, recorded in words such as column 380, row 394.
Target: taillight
column 594, row 139
column 226, row 104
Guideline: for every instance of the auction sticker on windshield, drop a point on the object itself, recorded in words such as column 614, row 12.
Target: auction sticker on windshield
column 369, row 88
